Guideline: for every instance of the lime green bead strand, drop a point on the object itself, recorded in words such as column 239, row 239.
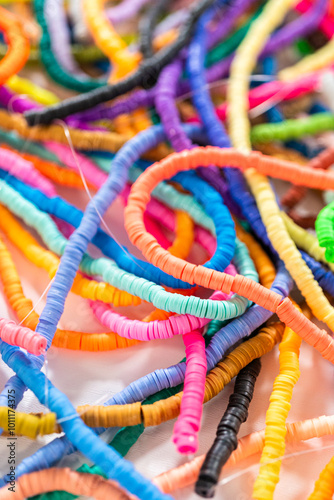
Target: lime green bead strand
column 324, row 227
column 293, row 129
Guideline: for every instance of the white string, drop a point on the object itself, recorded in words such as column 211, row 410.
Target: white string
column 69, row 140
column 223, row 81
column 269, row 103
column 76, row 415
column 82, row 175
column 38, row 301
column 258, row 110
column 238, row 474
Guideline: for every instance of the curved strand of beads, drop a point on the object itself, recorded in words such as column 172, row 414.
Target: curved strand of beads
column 164, row 329
column 306, row 241
column 55, row 479
column 18, row 44
column 48, row 56
column 219, row 345
column 176, row 325
column 108, row 40
column 91, row 173
column 53, row 171
column 325, row 231
column 224, row 223
column 172, row 326
column 20, row 336
column 275, row 431
column 110, row 272
column 326, row 24
column 26, row 314
column 72, row 215
column 320, row 59
column 324, row 485
column 47, row 260
column 56, row 23
column 26, row 87
column 139, row 197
